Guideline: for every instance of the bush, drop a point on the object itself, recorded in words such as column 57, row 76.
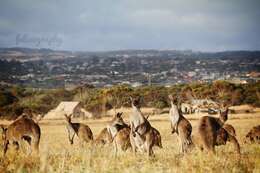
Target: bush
column 6, row 98
column 97, row 100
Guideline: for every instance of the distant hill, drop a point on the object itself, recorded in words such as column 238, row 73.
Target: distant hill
column 19, row 53
column 30, row 54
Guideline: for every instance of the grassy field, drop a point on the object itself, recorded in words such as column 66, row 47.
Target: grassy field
column 57, row 155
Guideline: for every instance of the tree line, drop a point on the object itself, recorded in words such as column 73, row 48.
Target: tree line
column 15, row 99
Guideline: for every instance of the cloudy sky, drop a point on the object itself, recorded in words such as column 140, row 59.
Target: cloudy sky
column 90, row 25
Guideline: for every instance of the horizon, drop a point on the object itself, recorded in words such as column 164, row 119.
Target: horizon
column 118, row 50
column 205, row 26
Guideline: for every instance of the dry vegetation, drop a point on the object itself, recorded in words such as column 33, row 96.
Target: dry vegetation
column 57, row 155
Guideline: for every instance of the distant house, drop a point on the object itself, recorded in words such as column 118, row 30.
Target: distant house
column 238, row 81
column 68, row 107
column 136, row 84
column 203, row 105
column 241, row 109
column 186, row 108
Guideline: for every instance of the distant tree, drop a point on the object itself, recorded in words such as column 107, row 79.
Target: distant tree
column 6, row 98
column 117, row 95
column 236, row 97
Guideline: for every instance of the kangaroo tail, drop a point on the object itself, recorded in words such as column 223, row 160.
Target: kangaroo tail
column 234, row 141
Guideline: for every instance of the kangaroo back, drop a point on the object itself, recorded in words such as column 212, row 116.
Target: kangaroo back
column 23, row 128
column 208, row 129
column 104, row 137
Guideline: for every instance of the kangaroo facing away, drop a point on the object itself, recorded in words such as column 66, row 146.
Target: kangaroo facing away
column 104, row 137
column 23, row 128
column 209, row 128
column 142, row 136
column 83, row 132
column 181, row 126
column 122, row 139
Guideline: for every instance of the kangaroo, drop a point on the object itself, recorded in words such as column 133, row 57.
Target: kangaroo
column 116, row 124
column 181, row 126
column 104, row 137
column 230, row 129
column 157, row 138
column 22, row 128
column 81, row 130
column 253, row 136
column 157, row 135
column 122, row 139
column 142, row 136
column 224, row 135
column 207, row 131
column 119, row 131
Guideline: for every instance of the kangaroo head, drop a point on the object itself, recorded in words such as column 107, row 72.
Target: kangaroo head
column 224, row 115
column 249, row 138
column 118, row 119
column 136, row 102
column 4, row 130
column 68, row 118
column 170, row 97
column 173, row 100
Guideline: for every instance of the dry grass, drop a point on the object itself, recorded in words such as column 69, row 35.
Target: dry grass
column 57, row 155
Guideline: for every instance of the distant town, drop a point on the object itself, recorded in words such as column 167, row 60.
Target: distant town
column 45, row 68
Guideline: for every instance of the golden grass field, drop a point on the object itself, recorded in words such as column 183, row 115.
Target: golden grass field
column 57, row 155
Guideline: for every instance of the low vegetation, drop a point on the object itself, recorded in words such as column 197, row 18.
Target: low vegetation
column 58, row 155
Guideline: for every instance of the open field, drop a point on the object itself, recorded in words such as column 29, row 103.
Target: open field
column 57, row 155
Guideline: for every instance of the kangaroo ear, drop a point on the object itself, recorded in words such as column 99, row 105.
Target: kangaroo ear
column 224, row 115
column 4, row 129
column 66, row 116
column 119, row 114
column 227, row 109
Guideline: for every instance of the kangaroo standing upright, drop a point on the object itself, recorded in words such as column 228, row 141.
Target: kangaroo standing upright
column 142, row 135
column 181, row 126
column 81, row 130
column 119, row 132
column 116, row 124
column 23, row 128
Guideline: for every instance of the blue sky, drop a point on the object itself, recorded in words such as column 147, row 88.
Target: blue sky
column 87, row 25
